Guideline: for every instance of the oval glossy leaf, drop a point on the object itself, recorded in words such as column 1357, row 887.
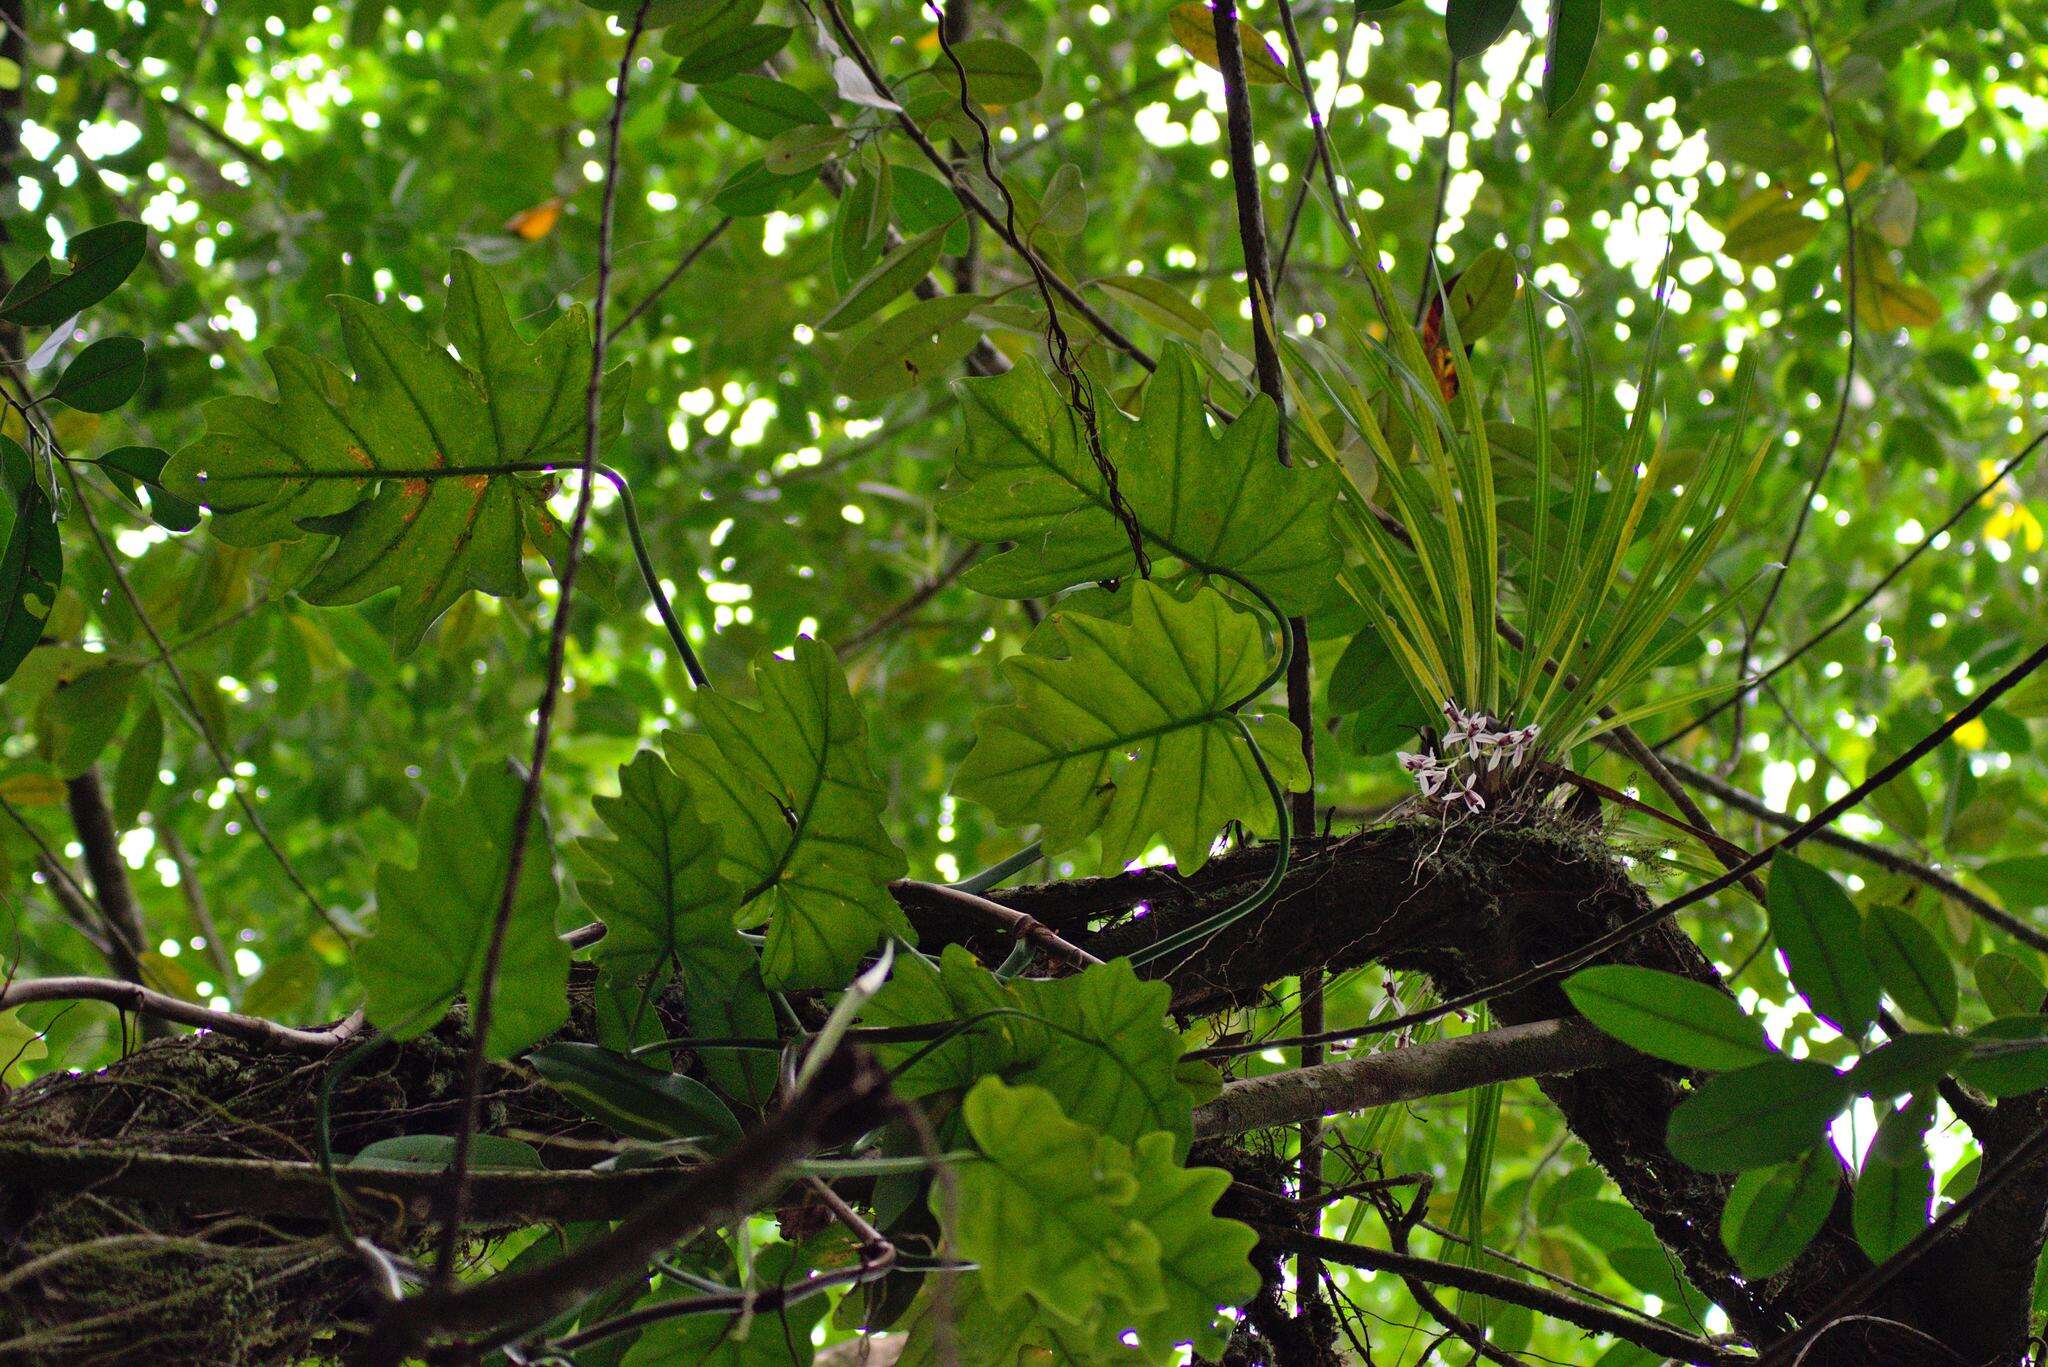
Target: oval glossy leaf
column 1821, row 936
column 1669, row 1017
column 128, row 466
column 436, row 1153
column 1766, row 226
column 632, row 1098
column 754, row 190
column 1568, row 51
column 899, row 271
column 103, row 376
column 1194, row 28
column 1915, row 970
column 1895, row 1190
column 731, row 53
column 1909, row 1063
column 914, row 344
column 2011, row 1058
column 2010, row 985
column 757, row 105
column 31, row 557
column 1483, row 293
column 1472, row 26
column 1773, row 1213
column 1763, row 1114
column 998, row 73
column 802, row 148
column 98, row 261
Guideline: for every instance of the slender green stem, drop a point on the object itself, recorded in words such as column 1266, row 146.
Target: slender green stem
column 1265, row 892
column 631, row 510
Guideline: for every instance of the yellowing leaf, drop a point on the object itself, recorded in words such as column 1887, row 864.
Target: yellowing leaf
column 32, row 790
column 1886, row 302
column 537, row 222
column 1766, row 226
column 1194, row 28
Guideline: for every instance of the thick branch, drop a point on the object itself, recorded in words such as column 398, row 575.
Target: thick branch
column 94, row 822
column 1435, row 1068
column 142, row 1001
column 715, row 1195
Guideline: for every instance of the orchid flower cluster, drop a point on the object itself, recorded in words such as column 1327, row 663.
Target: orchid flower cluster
column 1473, row 749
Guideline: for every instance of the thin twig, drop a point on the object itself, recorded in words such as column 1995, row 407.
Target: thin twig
column 1013, row 920
column 1855, row 609
column 1834, row 445
column 1585, row 1315
column 183, row 685
column 653, row 296
column 558, row 637
column 924, row 593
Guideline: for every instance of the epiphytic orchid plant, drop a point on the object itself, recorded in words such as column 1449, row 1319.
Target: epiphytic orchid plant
column 1534, row 657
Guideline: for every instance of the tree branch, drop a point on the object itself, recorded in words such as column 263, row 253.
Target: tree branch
column 142, row 1001
column 1593, row 1318
column 1435, row 1068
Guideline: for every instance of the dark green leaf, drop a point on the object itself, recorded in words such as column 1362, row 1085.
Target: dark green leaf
column 1472, row 26
column 1763, row 1114
column 1669, row 1017
column 98, row 260
column 732, row 52
column 915, row 344
column 128, row 466
column 2010, row 985
column 1773, row 1213
column 103, row 376
column 1910, row 962
column 998, row 73
column 754, row 190
column 2022, row 883
column 2012, row 1058
column 1895, row 1189
column 757, row 105
column 1910, row 1063
column 1484, row 293
column 897, row 272
column 633, row 1099
column 436, row 1152
column 1568, row 51
column 31, row 557
column 1821, row 936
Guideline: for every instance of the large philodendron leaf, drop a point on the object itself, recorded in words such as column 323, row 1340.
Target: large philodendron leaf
column 434, row 922
column 1217, row 499
column 798, row 808
column 1097, row 1233
column 1098, row 1040
column 376, row 460
column 1131, row 734
column 662, row 900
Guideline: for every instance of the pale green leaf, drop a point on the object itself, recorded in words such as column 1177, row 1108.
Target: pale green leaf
column 434, row 921
column 789, row 787
column 1131, row 735
column 662, row 900
column 1216, row 499
column 1097, row 1040
column 374, row 460
column 1091, row 1230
